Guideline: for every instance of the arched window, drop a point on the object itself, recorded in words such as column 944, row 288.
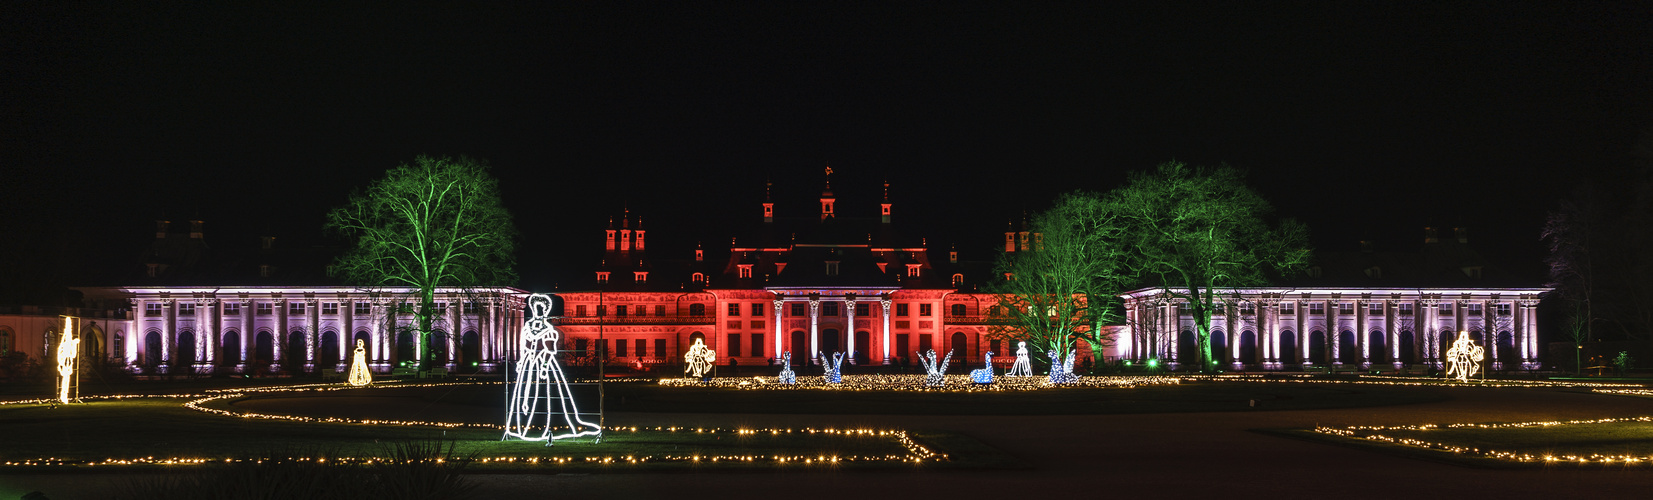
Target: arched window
column 958, row 279
column 5, row 341
column 697, row 278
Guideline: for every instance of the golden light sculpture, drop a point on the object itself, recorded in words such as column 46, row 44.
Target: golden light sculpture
column 67, row 348
column 359, row 374
column 1464, row 358
column 697, row 363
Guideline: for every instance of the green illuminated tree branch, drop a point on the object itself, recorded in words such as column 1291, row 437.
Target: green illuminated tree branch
column 1193, row 231
column 1066, row 286
column 437, row 223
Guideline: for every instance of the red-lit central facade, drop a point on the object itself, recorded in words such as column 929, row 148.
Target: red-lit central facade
column 838, row 280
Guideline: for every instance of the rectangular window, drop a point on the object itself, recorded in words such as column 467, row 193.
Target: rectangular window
column 1288, row 308
column 642, row 348
column 1317, row 308
column 734, row 309
column 1503, row 309
column 295, row 308
column 364, row 308
column 734, row 345
column 829, row 309
column 602, row 310
column 863, row 309
column 579, row 347
column 659, row 310
column 1375, row 308
column 757, row 309
column 470, row 307
column 1345, row 308
column 600, row 347
column 186, row 309
column 329, row 307
column 640, row 310
column 1446, row 309
column 232, row 308
column 1404, row 310
column 757, row 344
column 620, row 348
column 924, row 309
column 901, row 346
column 263, row 308
column 579, row 311
column 757, row 325
column 1474, row 309
column 995, row 347
column 620, row 312
column 745, row 271
column 957, row 309
column 660, row 347
column 901, row 309
column 798, row 309
column 924, row 344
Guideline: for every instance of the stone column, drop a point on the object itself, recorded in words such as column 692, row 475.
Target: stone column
column 347, row 338
column 1362, row 325
column 1489, row 334
column 248, row 336
column 849, row 315
column 780, row 330
column 814, row 326
column 1529, row 332
column 278, row 344
column 1428, row 329
column 454, row 331
column 208, row 324
column 1334, row 337
column 1230, row 329
column 169, row 323
column 1173, row 323
column 885, row 303
column 1268, row 329
column 1389, row 312
column 312, row 331
column 1300, row 314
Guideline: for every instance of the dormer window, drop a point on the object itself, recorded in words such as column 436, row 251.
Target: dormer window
column 154, row 269
column 745, row 271
column 832, row 268
column 602, row 277
column 1314, row 271
column 640, row 276
column 264, row 270
column 1374, row 272
column 1474, row 272
column 958, row 279
column 697, row 278
column 912, row 270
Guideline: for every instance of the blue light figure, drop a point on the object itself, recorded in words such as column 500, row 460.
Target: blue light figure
column 833, row 374
column 984, row 375
column 787, row 376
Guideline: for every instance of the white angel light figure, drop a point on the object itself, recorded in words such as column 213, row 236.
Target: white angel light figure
column 67, row 347
column 1464, row 358
column 1061, row 372
column 697, row 363
column 935, row 373
column 834, row 375
column 1023, row 367
column 787, row 376
column 359, row 374
column 541, row 402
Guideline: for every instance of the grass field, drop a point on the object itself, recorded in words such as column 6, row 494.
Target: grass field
column 1615, row 442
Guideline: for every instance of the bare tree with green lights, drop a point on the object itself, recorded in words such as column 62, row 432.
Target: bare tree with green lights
column 1195, row 231
column 1065, row 286
column 437, row 223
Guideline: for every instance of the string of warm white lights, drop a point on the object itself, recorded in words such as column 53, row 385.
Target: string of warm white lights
column 1374, row 433
column 950, row 383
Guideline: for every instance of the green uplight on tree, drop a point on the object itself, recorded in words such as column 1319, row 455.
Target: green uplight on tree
column 437, row 223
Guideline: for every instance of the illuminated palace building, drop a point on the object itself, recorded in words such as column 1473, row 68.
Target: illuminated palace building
column 199, row 310
column 828, row 281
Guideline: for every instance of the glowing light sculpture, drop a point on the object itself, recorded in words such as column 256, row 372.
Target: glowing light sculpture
column 1023, row 367
column 935, row 372
column 698, row 362
column 787, row 376
column 834, row 375
column 984, row 375
column 359, row 374
column 1464, row 358
column 542, row 405
column 1061, row 372
column 67, row 347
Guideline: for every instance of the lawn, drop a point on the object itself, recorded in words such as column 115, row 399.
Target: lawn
column 1620, row 441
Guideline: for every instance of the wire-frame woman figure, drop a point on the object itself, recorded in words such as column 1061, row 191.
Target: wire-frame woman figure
column 542, row 406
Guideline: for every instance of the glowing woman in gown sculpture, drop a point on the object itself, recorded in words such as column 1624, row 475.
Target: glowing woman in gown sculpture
column 359, row 375
column 1023, row 367
column 542, row 406
column 67, row 347
column 698, row 362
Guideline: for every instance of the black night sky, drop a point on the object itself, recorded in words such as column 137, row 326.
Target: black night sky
column 1367, row 121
